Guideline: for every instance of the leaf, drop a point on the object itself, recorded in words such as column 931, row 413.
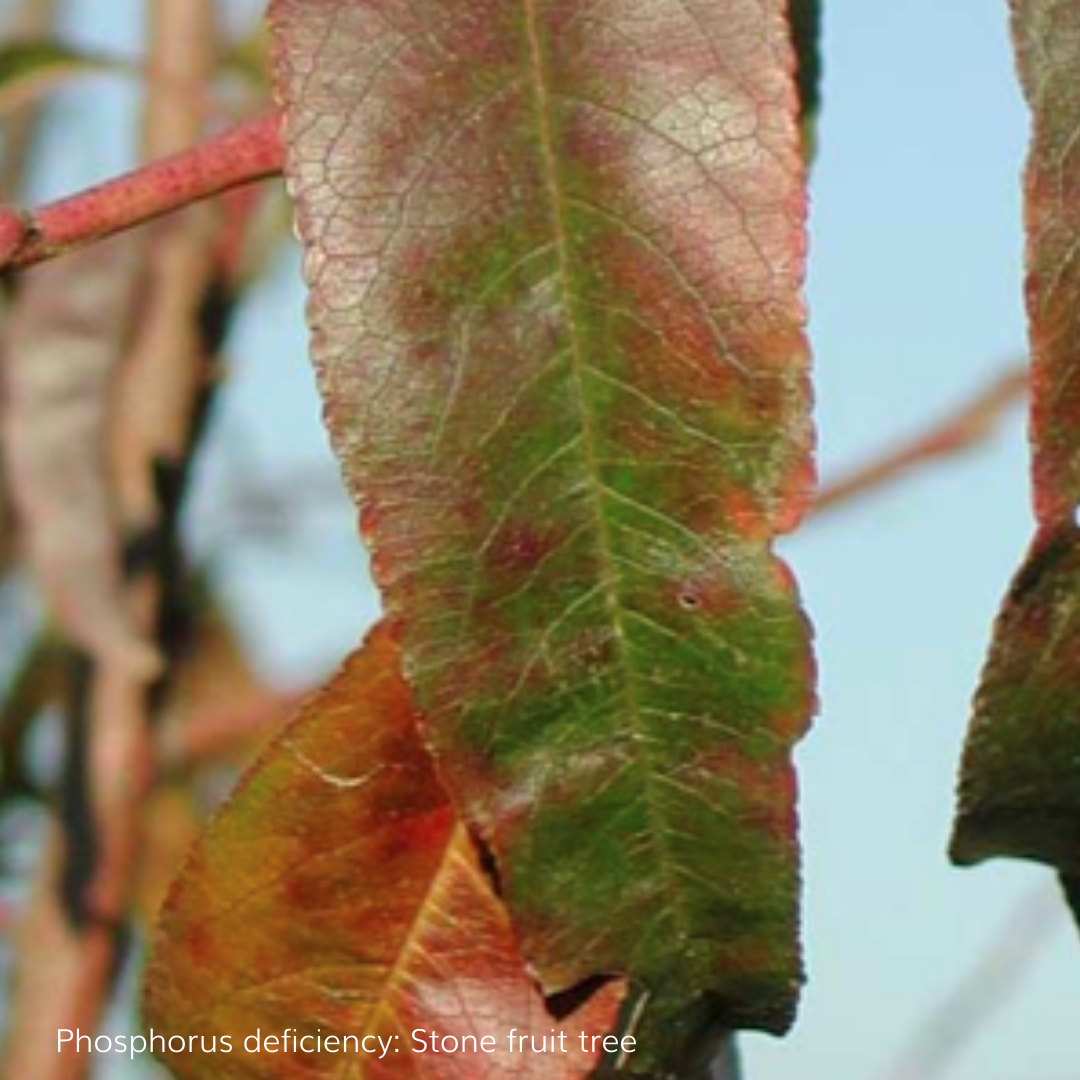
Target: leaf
column 1020, row 782
column 336, row 892
column 1047, row 39
column 1020, row 778
column 65, row 339
column 31, row 69
column 555, row 252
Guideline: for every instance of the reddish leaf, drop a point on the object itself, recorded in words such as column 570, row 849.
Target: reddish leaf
column 555, row 249
column 63, row 345
column 1020, row 782
column 336, row 893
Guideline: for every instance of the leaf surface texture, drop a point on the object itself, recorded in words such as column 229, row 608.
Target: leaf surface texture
column 555, row 251
column 1020, row 779
column 336, row 894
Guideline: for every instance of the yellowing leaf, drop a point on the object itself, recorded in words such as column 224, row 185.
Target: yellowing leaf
column 336, row 895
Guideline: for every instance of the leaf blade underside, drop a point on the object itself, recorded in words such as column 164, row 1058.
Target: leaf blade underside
column 336, row 891
column 556, row 252
column 1019, row 792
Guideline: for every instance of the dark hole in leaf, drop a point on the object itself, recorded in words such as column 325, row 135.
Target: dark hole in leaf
column 689, row 601
column 567, row 1002
column 488, row 864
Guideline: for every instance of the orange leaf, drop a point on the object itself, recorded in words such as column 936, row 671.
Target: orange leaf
column 336, row 895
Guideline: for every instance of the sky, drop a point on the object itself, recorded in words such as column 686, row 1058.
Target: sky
column 915, row 297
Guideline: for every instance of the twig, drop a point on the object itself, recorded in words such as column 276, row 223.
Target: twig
column 74, row 935
column 954, row 1023
column 72, row 932
column 244, row 154
column 967, row 427
column 32, row 18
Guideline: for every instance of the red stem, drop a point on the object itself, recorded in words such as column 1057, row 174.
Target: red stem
column 241, row 155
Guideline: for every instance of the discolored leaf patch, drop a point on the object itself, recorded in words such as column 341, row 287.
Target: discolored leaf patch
column 1020, row 788
column 335, row 894
column 555, row 251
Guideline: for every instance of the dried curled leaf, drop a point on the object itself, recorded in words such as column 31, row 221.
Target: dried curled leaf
column 335, row 894
column 555, row 250
column 1020, row 779
column 63, row 345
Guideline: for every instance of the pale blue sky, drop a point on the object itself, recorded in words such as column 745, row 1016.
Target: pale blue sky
column 916, row 298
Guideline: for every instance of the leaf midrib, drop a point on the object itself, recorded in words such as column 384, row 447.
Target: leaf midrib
column 578, row 365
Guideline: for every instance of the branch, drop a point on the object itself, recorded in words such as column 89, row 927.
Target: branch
column 74, row 937
column 243, row 154
column 969, row 426
column 954, row 1023
column 70, row 936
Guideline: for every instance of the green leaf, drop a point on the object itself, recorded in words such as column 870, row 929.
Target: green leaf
column 335, row 895
column 556, row 253
column 1020, row 779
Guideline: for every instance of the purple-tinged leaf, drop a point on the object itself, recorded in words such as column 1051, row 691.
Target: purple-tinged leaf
column 335, row 895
